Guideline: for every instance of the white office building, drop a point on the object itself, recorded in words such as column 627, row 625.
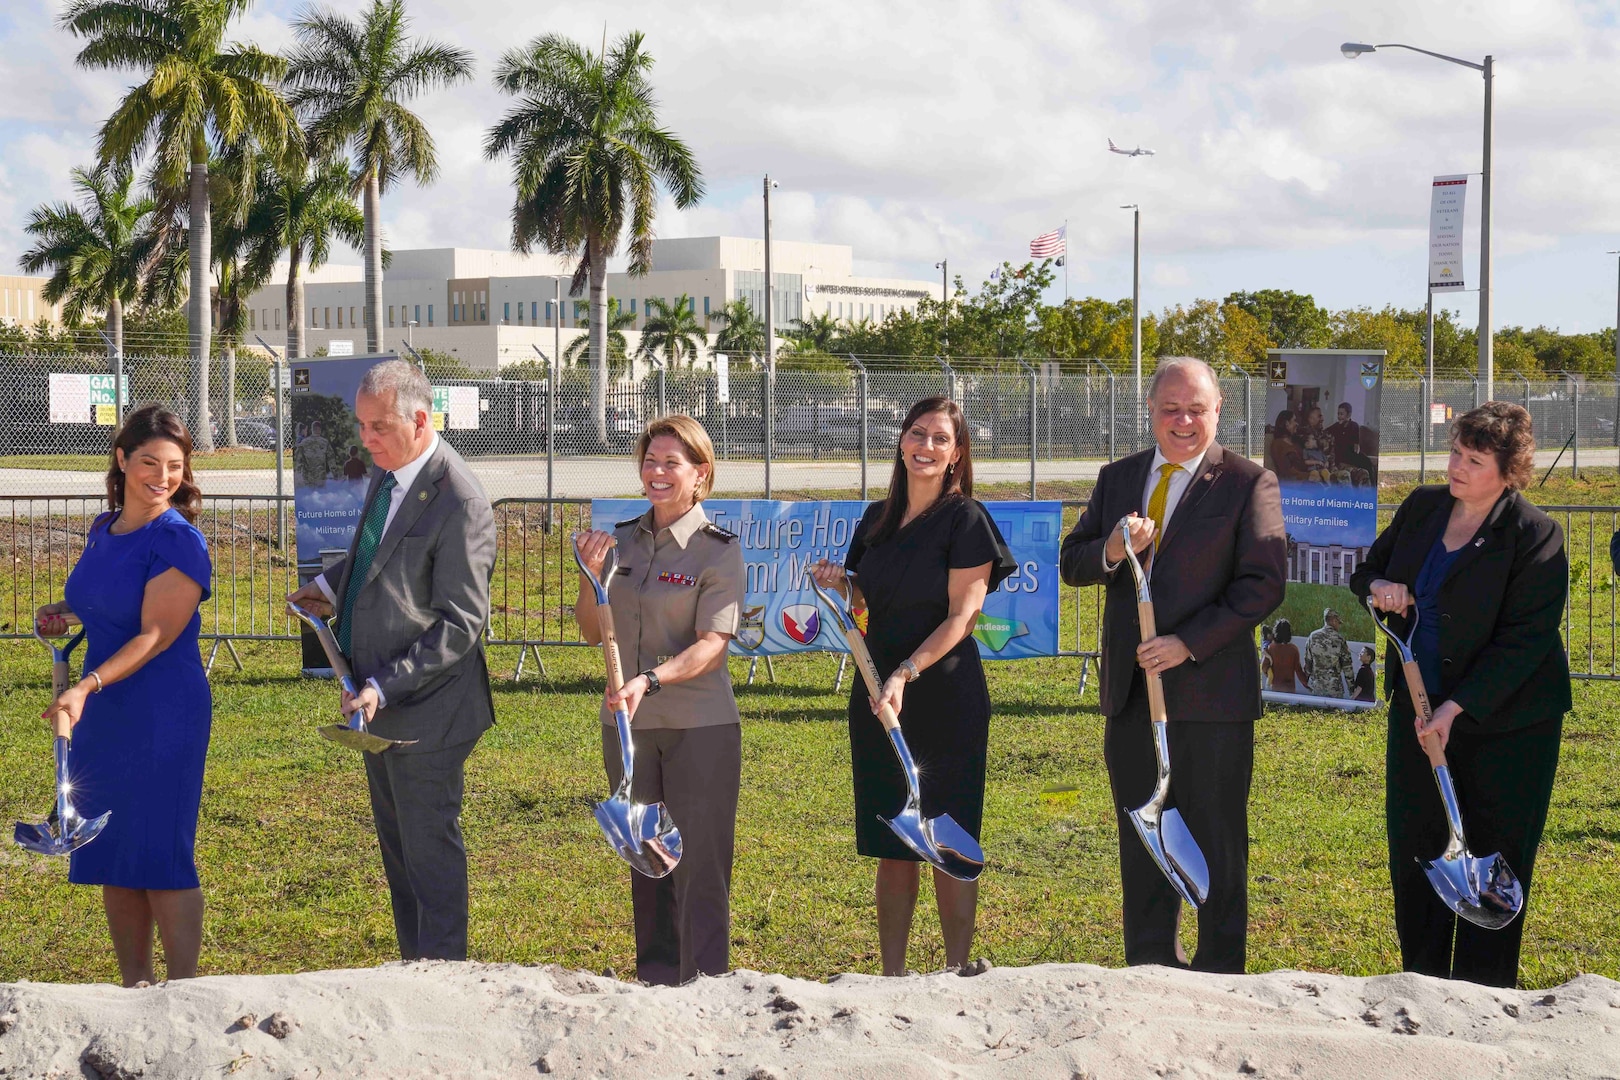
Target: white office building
column 492, row 308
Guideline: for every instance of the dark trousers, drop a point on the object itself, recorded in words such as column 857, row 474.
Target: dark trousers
column 416, row 804
column 1504, row 785
column 1211, row 765
column 683, row 920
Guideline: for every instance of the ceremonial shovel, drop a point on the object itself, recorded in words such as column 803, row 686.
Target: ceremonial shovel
column 354, row 734
column 1162, row 831
column 940, row 841
column 643, row 834
column 70, row 830
column 1482, row 889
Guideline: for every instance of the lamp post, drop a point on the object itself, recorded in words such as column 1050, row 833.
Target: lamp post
column 410, row 334
column 1136, row 313
column 1616, row 326
column 1351, row 50
column 770, row 313
column 944, row 268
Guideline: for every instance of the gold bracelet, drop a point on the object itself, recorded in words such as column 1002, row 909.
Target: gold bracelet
column 99, row 685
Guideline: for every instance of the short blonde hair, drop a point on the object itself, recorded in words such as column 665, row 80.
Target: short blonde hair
column 694, row 439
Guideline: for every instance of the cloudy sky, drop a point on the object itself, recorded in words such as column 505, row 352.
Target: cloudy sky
column 916, row 131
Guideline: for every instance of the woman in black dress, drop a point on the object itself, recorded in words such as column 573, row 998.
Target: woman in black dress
column 923, row 559
column 1487, row 574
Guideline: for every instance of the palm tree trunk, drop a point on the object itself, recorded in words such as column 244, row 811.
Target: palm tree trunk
column 295, row 301
column 115, row 325
column 374, row 272
column 201, row 245
column 599, row 357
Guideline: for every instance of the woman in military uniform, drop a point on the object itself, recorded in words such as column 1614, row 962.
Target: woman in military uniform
column 676, row 603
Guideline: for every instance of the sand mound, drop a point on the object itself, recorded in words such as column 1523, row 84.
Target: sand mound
column 448, row 1020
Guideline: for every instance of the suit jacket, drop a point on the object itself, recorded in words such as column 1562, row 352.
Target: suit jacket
column 420, row 617
column 1501, row 603
column 1219, row 570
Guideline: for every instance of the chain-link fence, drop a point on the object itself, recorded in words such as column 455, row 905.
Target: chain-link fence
column 828, row 426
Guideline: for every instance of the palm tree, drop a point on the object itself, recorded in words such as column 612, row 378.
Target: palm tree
column 587, row 157
column 100, row 257
column 671, row 329
column 741, row 331
column 200, row 93
column 300, row 210
column 618, row 350
column 352, row 79
column 818, row 333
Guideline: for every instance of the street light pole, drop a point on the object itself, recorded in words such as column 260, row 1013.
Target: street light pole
column 410, row 332
column 1485, row 332
column 1136, row 313
column 944, row 268
column 770, row 312
column 1616, row 324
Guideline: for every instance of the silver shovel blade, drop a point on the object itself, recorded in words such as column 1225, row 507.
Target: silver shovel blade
column 42, row 840
column 1149, row 828
column 360, row 738
column 1185, row 855
column 1482, row 889
column 644, row 835
column 940, row 842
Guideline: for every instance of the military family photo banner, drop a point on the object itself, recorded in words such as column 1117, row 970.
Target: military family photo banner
column 1321, row 439
column 779, row 539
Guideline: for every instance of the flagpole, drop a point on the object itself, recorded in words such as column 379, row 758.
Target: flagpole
column 1065, row 261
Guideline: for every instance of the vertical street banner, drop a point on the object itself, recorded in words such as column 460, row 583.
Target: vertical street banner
column 779, row 539
column 1321, row 439
column 331, row 467
column 1446, row 231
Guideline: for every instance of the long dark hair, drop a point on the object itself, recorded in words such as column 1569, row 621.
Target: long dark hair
column 958, row 478
column 141, row 427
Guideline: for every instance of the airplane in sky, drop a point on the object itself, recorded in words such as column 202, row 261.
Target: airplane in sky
column 1138, row 152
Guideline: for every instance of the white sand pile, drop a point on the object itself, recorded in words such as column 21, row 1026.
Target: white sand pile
column 448, row 1020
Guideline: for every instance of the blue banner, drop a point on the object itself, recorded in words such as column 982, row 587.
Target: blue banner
column 331, row 467
column 779, row 539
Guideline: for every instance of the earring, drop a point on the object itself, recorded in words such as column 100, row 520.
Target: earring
column 950, row 469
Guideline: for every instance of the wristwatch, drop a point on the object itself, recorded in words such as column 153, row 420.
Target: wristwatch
column 909, row 666
column 653, row 685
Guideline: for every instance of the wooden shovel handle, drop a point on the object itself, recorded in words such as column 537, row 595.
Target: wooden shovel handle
column 1430, row 741
column 869, row 673
column 610, row 648
column 1155, row 685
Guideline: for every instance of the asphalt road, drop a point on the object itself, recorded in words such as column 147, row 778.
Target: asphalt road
column 586, row 477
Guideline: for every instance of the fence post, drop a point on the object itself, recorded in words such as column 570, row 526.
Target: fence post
column 1476, row 390
column 950, row 377
column 860, row 395
column 769, row 422
column 1110, row 371
column 1034, row 414
column 551, row 426
column 1575, row 426
column 281, row 438
column 1424, row 390
column 663, row 399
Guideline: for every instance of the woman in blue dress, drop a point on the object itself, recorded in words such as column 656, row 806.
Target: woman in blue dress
column 141, row 714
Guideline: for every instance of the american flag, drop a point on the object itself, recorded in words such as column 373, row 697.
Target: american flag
column 1048, row 245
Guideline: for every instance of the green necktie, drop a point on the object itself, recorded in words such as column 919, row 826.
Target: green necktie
column 371, row 530
column 1157, row 500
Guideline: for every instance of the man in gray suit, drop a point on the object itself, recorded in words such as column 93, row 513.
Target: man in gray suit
column 412, row 599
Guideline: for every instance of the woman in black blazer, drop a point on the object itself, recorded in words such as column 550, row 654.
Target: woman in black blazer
column 1487, row 573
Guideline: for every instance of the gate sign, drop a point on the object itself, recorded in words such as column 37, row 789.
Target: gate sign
column 78, row 398
column 779, row 539
column 455, row 407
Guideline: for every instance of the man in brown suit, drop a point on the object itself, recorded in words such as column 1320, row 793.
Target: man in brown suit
column 1208, row 527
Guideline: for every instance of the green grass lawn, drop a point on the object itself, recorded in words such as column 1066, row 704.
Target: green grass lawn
column 294, row 882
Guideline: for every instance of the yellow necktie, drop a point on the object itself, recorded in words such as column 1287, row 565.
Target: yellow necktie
column 1156, row 504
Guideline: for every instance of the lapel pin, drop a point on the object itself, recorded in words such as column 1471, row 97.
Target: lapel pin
column 1480, row 542
column 421, row 496
column 1209, row 475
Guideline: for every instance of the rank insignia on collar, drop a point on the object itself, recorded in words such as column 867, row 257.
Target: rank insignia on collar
column 675, row 578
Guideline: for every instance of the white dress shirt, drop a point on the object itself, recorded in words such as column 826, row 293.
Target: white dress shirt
column 404, row 477
column 1179, row 483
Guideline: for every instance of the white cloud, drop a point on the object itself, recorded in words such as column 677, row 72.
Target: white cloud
column 915, row 131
